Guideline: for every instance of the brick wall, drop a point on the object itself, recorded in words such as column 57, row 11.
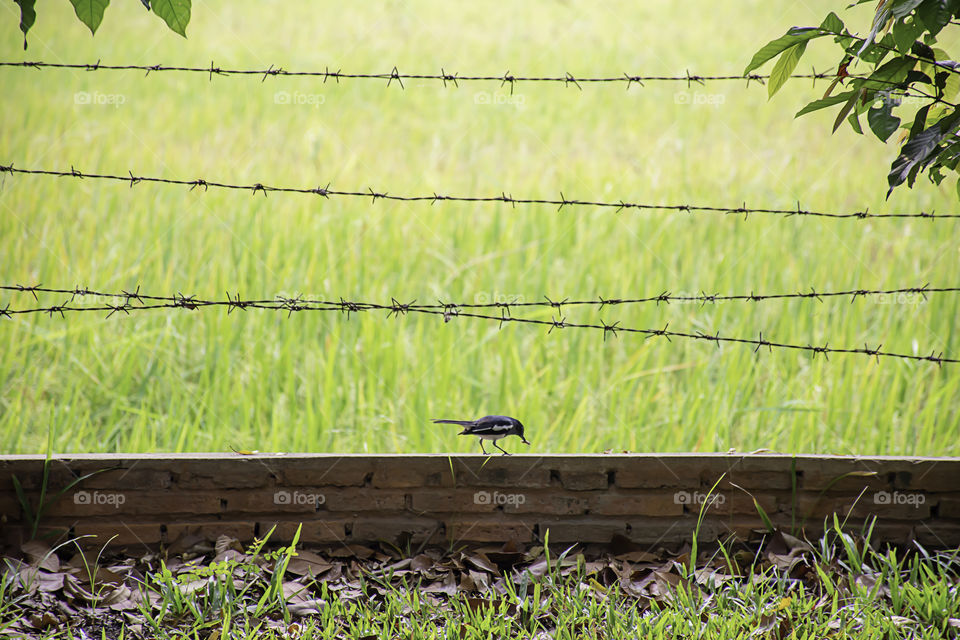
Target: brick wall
column 651, row 499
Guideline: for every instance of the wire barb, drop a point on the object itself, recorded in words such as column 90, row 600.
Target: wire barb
column 617, row 205
column 450, row 310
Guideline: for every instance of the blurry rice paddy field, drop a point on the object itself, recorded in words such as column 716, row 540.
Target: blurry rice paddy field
column 202, row 380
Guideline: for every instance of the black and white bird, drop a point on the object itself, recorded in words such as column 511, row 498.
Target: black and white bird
column 490, row 428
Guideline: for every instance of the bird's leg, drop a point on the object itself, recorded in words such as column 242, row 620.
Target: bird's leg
column 484, row 450
column 505, row 452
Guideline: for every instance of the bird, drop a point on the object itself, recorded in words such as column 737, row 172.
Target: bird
column 490, row 428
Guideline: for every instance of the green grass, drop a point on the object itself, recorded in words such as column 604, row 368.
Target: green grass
column 179, row 381
column 841, row 588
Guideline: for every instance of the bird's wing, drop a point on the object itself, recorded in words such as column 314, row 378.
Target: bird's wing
column 489, row 428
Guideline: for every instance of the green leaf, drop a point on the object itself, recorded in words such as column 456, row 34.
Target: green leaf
column 90, row 12
column 845, row 110
column 816, row 105
column 935, row 14
column 889, row 74
column 176, row 13
column 832, row 23
column 902, row 8
column 906, row 33
column 854, row 121
column 775, row 47
column 879, row 20
column 784, row 67
column 920, row 150
column 28, row 15
column 882, row 121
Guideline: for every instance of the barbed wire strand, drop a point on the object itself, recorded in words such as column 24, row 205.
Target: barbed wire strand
column 327, row 192
column 394, row 74
column 448, row 312
column 666, row 297
column 453, row 79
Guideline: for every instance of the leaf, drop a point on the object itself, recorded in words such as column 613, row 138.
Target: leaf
column 763, row 515
column 784, row 67
column 28, row 15
column 832, row 23
column 880, row 19
column 919, row 150
column 176, row 13
column 90, row 12
column 888, row 75
column 854, row 121
column 775, row 47
column 845, row 110
column 906, row 33
column 903, row 8
column 935, row 14
column 882, row 121
column 816, row 105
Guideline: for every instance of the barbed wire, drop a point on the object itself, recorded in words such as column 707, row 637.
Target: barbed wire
column 454, row 79
column 394, row 75
column 665, row 297
column 327, row 192
column 448, row 311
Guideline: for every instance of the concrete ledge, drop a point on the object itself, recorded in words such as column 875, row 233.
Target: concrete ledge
column 152, row 499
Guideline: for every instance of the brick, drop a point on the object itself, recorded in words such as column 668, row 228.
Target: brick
column 413, row 473
column 633, row 503
column 518, row 473
column 133, row 474
column 438, row 501
column 584, row 480
column 742, row 504
column 325, row 472
column 582, row 529
column 394, row 528
column 10, row 509
column 210, row 529
column 117, row 534
column 948, row 507
column 939, row 535
column 293, row 500
column 235, row 473
column 316, row 531
column 815, row 507
column 491, row 500
column 83, row 503
column 656, row 472
column 465, row 529
column 929, row 476
column 843, row 475
column 364, row 499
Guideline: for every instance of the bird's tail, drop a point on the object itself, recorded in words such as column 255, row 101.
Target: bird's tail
column 462, row 423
